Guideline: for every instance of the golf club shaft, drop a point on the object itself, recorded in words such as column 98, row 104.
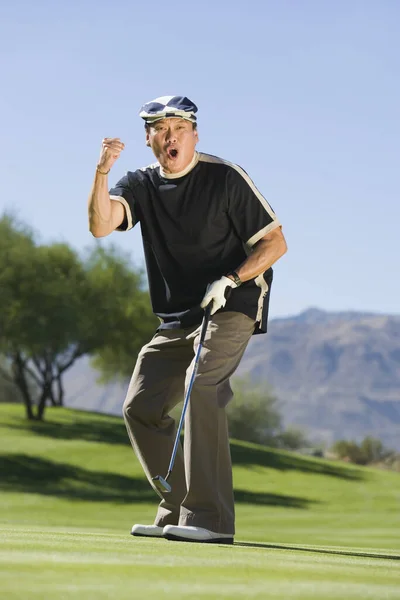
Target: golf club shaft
column 189, row 389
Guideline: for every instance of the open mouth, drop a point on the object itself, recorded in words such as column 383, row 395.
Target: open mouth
column 172, row 152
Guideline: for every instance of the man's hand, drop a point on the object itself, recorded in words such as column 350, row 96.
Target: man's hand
column 111, row 148
column 217, row 292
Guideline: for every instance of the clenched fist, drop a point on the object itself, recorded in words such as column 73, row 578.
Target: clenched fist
column 111, row 148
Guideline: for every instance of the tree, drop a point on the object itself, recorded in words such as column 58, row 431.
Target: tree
column 56, row 307
column 8, row 390
column 253, row 415
column 349, row 450
column 293, row 438
column 373, row 449
column 370, row 450
column 124, row 310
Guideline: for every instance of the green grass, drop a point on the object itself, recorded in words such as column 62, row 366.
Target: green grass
column 70, row 489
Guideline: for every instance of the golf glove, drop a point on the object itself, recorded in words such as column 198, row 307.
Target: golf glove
column 217, row 292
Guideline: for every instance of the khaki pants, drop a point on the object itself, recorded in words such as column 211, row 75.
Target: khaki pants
column 201, row 480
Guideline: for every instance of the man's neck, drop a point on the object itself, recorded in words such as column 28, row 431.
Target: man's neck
column 185, row 171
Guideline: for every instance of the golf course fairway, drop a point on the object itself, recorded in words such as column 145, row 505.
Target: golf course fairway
column 71, row 488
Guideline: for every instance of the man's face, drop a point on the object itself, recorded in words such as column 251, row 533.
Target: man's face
column 173, row 142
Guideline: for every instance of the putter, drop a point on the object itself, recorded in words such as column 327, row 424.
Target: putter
column 161, row 483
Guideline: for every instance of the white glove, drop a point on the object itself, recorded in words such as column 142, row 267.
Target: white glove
column 216, row 293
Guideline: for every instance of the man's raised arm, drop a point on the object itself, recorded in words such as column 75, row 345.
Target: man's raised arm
column 105, row 215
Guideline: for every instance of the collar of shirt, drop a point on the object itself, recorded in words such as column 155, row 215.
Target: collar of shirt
column 190, row 166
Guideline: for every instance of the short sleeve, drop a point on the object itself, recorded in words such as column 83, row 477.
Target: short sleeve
column 249, row 211
column 123, row 192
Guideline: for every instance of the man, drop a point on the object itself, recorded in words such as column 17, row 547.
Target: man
column 206, row 231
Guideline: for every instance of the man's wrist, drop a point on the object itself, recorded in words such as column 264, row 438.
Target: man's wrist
column 100, row 170
column 235, row 278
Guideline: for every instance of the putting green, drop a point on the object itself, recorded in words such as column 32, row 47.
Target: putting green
column 70, row 489
column 50, row 564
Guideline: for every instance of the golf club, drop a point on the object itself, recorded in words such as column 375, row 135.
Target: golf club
column 161, row 482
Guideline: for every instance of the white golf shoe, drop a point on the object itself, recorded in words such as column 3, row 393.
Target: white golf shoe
column 147, row 531
column 187, row 533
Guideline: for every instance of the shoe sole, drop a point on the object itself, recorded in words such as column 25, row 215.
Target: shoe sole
column 176, row 538
column 146, row 536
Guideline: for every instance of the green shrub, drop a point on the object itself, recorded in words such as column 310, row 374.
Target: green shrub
column 253, row 415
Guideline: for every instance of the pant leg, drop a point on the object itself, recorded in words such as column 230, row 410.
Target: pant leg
column 157, row 385
column 209, row 500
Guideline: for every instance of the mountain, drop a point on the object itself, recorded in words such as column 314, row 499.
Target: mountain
column 337, row 375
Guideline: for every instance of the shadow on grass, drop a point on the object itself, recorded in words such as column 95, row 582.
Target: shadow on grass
column 260, row 498
column 29, row 474
column 319, row 550
column 34, row 475
column 245, row 455
column 97, row 430
column 102, row 430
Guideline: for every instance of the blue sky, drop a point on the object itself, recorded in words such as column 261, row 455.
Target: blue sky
column 304, row 95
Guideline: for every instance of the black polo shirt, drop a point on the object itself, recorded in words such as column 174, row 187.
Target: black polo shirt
column 196, row 227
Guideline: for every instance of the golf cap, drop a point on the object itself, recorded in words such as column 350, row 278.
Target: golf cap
column 166, row 107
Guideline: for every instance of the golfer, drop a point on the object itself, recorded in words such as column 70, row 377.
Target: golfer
column 209, row 236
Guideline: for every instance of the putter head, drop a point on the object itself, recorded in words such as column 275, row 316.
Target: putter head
column 161, row 484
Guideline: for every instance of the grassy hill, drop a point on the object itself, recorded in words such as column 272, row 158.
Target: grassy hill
column 70, row 489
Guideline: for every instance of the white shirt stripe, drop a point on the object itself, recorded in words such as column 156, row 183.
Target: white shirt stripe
column 127, row 210
column 275, row 223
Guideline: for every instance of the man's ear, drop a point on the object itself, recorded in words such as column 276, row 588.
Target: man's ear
column 196, row 135
column 147, row 139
